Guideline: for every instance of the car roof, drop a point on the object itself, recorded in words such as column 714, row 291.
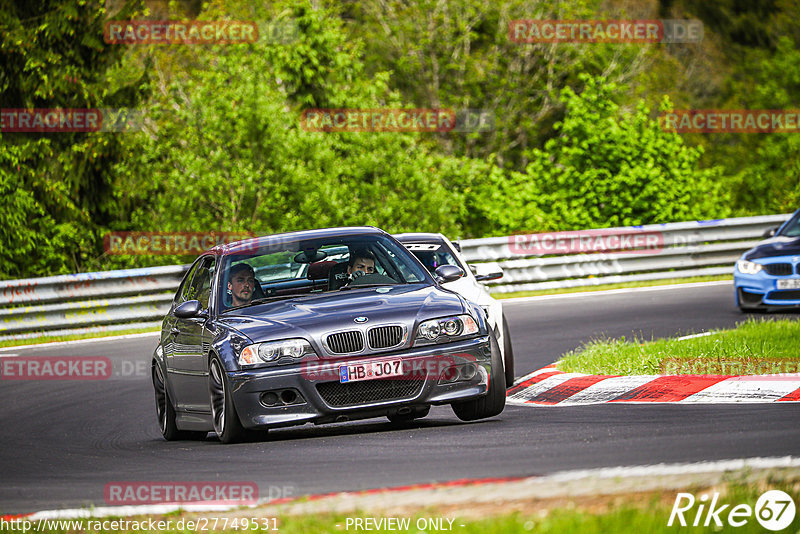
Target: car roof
column 420, row 237
column 249, row 245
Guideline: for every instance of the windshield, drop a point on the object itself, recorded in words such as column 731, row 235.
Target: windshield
column 433, row 255
column 792, row 228
column 307, row 267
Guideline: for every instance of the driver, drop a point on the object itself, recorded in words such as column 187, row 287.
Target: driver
column 361, row 262
column 241, row 284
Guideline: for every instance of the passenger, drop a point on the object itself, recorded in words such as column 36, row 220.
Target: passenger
column 241, row 284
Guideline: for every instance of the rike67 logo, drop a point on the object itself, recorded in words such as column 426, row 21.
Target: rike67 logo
column 774, row 510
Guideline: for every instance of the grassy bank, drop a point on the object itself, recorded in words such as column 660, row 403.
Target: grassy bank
column 646, row 511
column 755, row 347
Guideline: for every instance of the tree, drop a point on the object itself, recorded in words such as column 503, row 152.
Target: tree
column 608, row 168
column 57, row 186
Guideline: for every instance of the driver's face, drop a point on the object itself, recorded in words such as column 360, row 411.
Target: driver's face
column 241, row 286
column 362, row 264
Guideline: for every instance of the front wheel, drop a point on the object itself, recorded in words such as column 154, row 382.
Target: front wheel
column 494, row 401
column 166, row 412
column 227, row 425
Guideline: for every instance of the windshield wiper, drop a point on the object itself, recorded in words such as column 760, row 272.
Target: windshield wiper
column 261, row 301
column 359, row 286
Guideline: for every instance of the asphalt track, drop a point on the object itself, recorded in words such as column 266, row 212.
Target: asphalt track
column 63, row 441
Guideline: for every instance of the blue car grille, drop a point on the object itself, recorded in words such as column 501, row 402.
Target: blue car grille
column 778, row 269
column 368, row 391
column 346, row 342
column 793, row 294
column 382, row 337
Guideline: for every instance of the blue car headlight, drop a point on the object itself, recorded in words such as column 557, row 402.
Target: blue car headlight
column 748, row 267
column 445, row 329
column 272, row 351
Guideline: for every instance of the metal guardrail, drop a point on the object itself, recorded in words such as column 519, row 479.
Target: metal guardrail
column 136, row 298
column 60, row 305
column 686, row 249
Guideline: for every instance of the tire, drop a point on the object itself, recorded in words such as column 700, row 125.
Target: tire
column 166, row 412
column 508, row 354
column 227, row 425
column 408, row 417
column 494, row 401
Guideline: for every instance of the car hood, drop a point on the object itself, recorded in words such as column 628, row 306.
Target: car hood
column 314, row 316
column 774, row 246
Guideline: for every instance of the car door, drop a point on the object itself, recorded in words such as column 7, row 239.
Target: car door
column 168, row 326
column 189, row 365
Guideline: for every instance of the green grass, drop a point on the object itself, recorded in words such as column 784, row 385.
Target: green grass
column 640, row 512
column 72, row 337
column 755, row 347
column 604, row 287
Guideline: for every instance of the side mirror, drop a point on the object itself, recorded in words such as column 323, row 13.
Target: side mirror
column 448, row 273
column 769, row 232
column 486, row 271
column 189, row 309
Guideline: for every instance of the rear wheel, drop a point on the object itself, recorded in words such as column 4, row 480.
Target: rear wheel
column 166, row 412
column 508, row 354
column 494, row 401
column 227, row 425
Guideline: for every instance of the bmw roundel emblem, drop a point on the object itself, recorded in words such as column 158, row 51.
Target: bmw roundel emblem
column 361, row 319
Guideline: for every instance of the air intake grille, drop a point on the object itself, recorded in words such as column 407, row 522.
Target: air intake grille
column 793, row 294
column 346, row 342
column 778, row 269
column 368, row 391
column 382, row 337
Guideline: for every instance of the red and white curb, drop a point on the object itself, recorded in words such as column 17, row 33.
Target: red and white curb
column 550, row 387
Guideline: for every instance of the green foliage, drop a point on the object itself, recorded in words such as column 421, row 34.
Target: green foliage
column 57, row 186
column 223, row 148
column 607, row 168
column 228, row 147
column 771, row 183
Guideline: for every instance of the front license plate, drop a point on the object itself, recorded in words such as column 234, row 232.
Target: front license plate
column 792, row 283
column 370, row 370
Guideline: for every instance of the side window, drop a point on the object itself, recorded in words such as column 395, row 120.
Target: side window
column 182, row 295
column 200, row 288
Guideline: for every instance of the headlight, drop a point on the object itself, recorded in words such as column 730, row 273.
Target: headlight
column 748, row 267
column 446, row 328
column 261, row 353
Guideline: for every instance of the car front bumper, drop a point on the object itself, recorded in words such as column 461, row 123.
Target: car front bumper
column 761, row 290
column 311, row 391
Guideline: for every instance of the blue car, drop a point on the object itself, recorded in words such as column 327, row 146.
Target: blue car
column 768, row 275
